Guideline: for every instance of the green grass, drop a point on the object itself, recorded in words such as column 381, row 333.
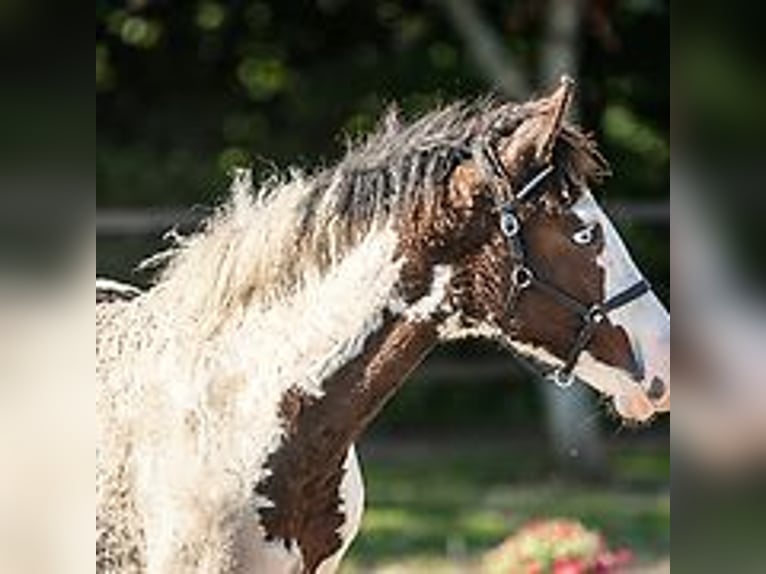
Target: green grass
column 438, row 510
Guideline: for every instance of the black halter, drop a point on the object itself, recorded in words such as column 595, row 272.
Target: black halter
column 523, row 276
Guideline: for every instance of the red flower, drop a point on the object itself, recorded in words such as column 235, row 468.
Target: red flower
column 570, row 566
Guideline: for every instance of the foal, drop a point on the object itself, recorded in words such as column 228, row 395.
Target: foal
column 232, row 391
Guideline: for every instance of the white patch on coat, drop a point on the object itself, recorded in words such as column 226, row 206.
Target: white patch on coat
column 352, row 506
column 536, row 354
column 645, row 320
column 116, row 287
column 426, row 306
column 457, row 326
column 273, row 557
column 628, row 397
column 196, row 417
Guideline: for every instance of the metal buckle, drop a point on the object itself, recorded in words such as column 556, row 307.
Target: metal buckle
column 509, row 222
column 596, row 315
column 561, row 379
column 522, row 277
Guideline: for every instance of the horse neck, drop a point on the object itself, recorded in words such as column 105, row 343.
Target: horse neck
column 296, row 349
column 336, row 397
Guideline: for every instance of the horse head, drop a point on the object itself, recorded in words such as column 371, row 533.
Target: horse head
column 536, row 263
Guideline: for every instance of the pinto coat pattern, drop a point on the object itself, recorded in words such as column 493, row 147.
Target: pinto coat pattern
column 232, row 391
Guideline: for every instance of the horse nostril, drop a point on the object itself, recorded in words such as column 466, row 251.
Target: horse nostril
column 656, row 389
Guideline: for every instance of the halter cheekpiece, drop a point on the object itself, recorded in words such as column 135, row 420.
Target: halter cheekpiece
column 523, row 276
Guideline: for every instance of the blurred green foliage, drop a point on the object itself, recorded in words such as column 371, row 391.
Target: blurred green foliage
column 719, row 119
column 186, row 90
column 457, row 502
column 720, row 84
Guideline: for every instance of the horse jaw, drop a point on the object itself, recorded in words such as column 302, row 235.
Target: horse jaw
column 628, row 398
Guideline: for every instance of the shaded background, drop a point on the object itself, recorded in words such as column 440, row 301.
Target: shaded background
column 719, row 367
column 474, row 445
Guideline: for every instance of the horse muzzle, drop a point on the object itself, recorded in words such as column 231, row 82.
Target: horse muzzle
column 650, row 393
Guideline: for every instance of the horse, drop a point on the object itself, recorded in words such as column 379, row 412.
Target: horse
column 232, row 391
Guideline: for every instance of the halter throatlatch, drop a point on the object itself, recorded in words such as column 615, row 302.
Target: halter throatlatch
column 523, row 276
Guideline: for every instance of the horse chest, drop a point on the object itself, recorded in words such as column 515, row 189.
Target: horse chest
column 312, row 520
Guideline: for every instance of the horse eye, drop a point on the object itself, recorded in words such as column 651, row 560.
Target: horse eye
column 584, row 236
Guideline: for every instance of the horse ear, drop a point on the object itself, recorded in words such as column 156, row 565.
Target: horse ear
column 555, row 109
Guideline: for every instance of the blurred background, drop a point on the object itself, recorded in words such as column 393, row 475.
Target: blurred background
column 475, row 446
column 719, row 372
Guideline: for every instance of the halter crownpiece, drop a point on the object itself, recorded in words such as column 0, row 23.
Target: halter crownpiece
column 532, row 185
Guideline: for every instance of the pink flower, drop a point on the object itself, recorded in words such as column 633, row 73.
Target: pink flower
column 569, row 566
column 608, row 562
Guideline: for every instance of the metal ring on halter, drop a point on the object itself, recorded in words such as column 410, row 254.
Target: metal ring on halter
column 597, row 315
column 561, row 379
column 509, row 222
column 522, row 277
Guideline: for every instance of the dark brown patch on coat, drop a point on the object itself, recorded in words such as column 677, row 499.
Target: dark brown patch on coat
column 482, row 289
column 574, row 269
column 307, row 469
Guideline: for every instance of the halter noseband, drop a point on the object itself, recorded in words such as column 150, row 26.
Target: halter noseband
column 523, row 276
